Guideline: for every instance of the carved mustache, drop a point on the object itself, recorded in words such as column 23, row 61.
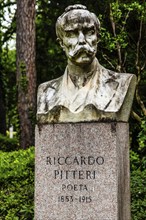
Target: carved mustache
column 83, row 48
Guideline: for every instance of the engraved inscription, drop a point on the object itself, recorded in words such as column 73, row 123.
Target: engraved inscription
column 74, row 174
column 75, row 187
column 74, row 160
column 70, row 199
column 68, row 171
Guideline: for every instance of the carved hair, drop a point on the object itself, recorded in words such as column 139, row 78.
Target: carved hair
column 59, row 28
column 77, row 6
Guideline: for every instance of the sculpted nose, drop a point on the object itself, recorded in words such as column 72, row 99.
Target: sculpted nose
column 81, row 38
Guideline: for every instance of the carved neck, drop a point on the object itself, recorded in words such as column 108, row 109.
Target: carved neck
column 80, row 75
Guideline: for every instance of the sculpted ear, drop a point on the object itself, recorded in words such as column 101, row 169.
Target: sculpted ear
column 61, row 43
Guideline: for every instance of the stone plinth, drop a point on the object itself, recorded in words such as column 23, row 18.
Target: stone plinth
column 82, row 172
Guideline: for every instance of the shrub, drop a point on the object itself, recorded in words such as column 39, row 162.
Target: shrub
column 138, row 194
column 138, row 186
column 17, row 184
column 8, row 144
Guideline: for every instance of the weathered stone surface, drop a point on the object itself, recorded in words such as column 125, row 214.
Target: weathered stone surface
column 86, row 91
column 82, row 172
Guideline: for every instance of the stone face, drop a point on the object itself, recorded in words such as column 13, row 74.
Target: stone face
column 82, row 172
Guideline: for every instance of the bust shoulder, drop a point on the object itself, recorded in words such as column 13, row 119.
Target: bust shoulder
column 52, row 84
column 46, row 90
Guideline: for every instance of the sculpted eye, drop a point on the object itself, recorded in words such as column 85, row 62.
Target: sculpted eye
column 70, row 33
column 89, row 31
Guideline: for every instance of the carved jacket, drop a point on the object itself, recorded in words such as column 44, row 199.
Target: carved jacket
column 105, row 91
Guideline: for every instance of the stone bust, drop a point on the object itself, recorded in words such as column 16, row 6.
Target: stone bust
column 87, row 91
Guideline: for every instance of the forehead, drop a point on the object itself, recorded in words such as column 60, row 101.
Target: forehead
column 77, row 18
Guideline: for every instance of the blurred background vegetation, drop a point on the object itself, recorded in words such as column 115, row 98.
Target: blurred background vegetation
column 122, row 47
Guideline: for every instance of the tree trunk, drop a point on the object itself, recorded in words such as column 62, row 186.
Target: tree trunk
column 26, row 72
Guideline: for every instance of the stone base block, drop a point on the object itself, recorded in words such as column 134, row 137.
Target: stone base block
column 82, row 172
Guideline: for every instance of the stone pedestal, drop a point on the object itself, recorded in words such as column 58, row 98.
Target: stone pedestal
column 82, row 172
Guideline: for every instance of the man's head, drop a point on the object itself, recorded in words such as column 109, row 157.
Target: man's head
column 77, row 30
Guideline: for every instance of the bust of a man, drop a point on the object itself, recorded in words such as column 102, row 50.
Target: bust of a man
column 87, row 91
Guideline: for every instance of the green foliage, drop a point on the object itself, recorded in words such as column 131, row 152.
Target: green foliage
column 10, row 88
column 138, row 194
column 8, row 144
column 23, row 82
column 120, row 31
column 17, row 185
column 138, row 186
column 142, row 137
column 135, row 160
column 23, row 79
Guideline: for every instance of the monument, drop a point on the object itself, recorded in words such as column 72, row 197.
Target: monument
column 82, row 134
